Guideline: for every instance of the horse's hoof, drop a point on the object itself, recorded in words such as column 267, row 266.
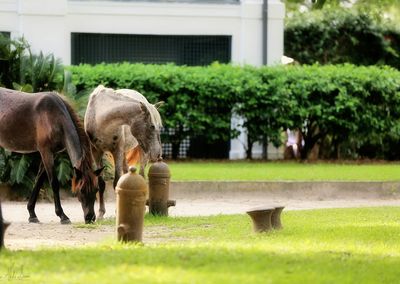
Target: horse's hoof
column 65, row 221
column 100, row 216
column 33, row 220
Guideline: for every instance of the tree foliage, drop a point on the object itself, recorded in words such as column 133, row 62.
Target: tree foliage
column 332, row 36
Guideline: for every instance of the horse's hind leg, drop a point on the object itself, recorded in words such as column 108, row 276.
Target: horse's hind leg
column 34, row 195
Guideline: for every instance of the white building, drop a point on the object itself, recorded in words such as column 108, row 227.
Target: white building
column 242, row 31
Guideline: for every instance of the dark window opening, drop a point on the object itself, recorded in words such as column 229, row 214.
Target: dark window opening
column 5, row 34
column 156, row 49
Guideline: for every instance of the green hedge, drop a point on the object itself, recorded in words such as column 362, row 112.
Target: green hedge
column 332, row 36
column 198, row 99
column 352, row 111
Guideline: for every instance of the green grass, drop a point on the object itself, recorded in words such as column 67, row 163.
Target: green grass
column 276, row 171
column 316, row 246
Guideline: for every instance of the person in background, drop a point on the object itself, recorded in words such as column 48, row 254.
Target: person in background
column 294, row 142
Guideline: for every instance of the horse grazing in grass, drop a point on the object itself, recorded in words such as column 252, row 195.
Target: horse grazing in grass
column 117, row 121
column 46, row 123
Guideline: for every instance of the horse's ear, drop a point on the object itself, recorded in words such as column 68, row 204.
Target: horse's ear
column 98, row 171
column 159, row 104
column 78, row 173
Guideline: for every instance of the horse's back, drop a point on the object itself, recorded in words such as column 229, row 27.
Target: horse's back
column 106, row 104
column 26, row 117
column 11, row 99
column 17, row 129
column 16, row 99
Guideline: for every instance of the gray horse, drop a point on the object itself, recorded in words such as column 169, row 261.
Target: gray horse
column 116, row 121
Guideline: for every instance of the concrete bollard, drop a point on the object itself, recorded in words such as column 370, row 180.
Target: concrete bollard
column 132, row 193
column 159, row 179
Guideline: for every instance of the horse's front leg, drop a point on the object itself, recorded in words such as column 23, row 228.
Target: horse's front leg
column 55, row 185
column 48, row 161
column 121, row 166
column 143, row 162
column 35, row 193
column 102, row 207
column 97, row 156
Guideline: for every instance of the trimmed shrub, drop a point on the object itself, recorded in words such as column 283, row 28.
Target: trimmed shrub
column 345, row 108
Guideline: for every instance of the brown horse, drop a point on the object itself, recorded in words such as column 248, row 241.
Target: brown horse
column 118, row 120
column 46, row 123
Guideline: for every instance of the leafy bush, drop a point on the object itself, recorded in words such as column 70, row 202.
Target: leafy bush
column 333, row 36
column 11, row 54
column 347, row 109
column 22, row 70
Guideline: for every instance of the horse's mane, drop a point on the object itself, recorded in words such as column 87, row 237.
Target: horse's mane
column 86, row 161
column 154, row 114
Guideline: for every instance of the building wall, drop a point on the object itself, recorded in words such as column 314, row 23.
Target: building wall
column 48, row 24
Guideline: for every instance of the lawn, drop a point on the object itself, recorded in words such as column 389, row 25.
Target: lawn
column 276, row 171
column 316, row 246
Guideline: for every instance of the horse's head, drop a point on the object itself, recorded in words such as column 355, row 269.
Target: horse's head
column 86, row 185
column 146, row 129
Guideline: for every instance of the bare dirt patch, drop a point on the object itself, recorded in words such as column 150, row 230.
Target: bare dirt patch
column 50, row 233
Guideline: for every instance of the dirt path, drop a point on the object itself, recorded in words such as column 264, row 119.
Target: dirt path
column 22, row 235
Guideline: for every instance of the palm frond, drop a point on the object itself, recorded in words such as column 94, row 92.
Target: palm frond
column 19, row 168
column 64, row 170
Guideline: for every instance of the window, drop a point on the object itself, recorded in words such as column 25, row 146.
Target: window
column 176, row 1
column 182, row 50
column 6, row 34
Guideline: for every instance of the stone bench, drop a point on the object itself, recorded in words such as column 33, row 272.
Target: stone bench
column 266, row 218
